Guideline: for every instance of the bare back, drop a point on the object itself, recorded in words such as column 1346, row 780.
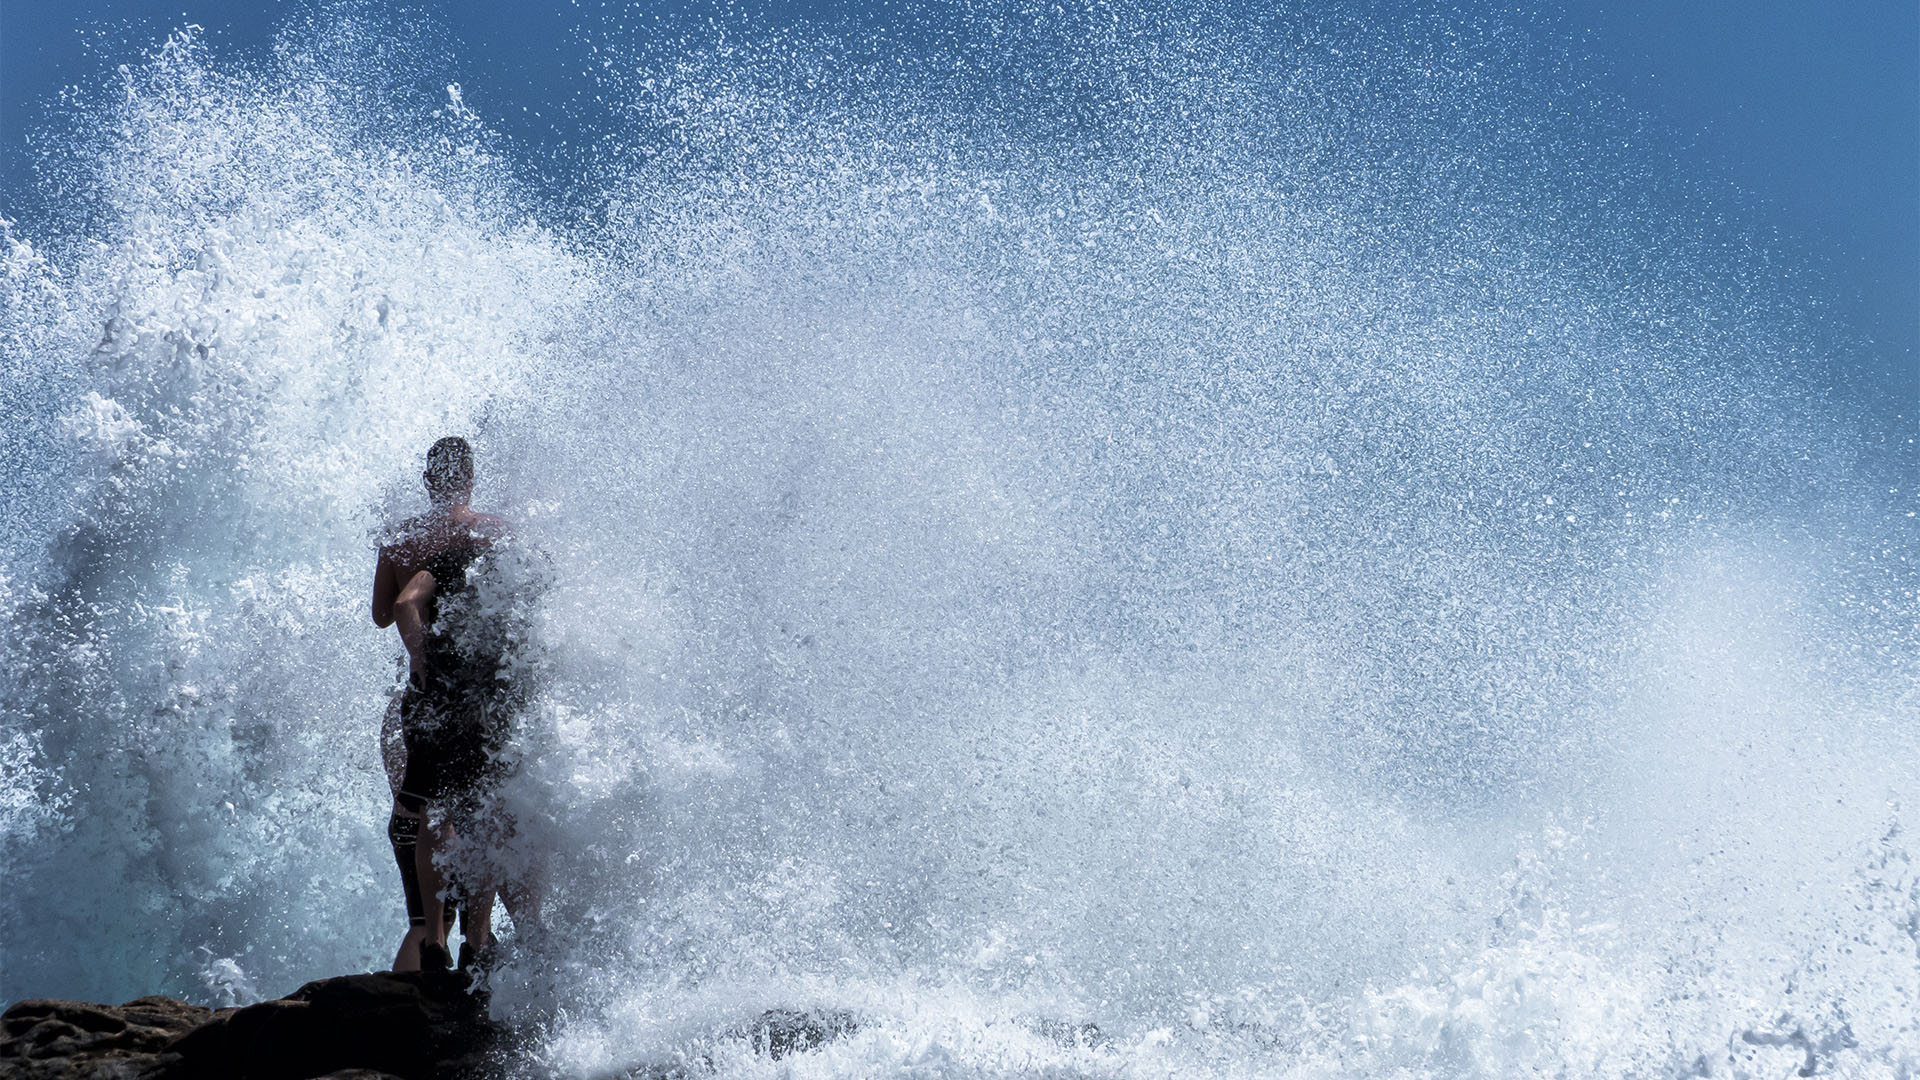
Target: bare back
column 418, row 542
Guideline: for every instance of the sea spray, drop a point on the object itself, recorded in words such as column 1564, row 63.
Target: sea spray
column 1295, row 546
column 230, row 349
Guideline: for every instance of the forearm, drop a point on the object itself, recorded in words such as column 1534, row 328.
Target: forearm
column 410, row 612
column 411, row 618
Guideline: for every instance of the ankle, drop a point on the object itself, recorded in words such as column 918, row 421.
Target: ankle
column 434, row 956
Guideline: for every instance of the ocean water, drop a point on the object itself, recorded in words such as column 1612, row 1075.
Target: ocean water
column 1105, row 544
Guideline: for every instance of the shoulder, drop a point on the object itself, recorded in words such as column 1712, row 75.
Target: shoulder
column 491, row 527
column 403, row 534
column 400, row 541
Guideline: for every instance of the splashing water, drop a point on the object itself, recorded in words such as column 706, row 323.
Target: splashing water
column 1293, row 547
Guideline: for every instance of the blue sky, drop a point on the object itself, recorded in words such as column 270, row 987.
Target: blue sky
column 1813, row 109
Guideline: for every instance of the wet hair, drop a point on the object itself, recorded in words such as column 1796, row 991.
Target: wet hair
column 449, row 466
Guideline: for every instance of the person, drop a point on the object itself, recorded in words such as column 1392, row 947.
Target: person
column 403, row 830
column 451, row 708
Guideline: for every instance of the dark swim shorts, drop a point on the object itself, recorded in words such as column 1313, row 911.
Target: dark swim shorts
column 449, row 751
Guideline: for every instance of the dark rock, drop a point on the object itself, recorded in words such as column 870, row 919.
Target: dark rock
column 774, row 1033
column 56, row 1040
column 1065, row 1032
column 779, row 1032
column 415, row 1026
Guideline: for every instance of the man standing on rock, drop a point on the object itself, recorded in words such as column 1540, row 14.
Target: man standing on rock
column 460, row 697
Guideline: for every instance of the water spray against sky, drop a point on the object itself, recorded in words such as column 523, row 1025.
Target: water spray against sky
column 1293, row 541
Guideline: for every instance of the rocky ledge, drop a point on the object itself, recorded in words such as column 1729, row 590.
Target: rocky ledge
column 414, row 1026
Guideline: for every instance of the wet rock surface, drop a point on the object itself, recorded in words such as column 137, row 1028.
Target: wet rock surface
column 779, row 1032
column 773, row 1034
column 79, row 1039
column 414, row 1026
column 1067, row 1033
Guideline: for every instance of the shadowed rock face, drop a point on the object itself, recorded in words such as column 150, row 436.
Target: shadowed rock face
column 414, row 1026
column 418, row 1024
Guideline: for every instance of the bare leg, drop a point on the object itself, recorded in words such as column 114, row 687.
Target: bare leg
column 476, row 919
column 433, row 840
column 402, row 832
column 523, row 905
column 480, row 886
column 408, row 958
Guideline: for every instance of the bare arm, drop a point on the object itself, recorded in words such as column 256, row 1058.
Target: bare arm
column 385, row 588
column 410, row 611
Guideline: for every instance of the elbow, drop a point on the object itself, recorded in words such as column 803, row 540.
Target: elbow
column 407, row 611
column 383, row 619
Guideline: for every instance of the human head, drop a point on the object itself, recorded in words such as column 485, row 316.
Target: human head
column 449, row 474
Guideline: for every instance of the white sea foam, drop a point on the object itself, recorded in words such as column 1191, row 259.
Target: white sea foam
column 1188, row 563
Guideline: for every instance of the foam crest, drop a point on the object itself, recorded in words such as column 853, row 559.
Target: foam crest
column 1305, row 567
